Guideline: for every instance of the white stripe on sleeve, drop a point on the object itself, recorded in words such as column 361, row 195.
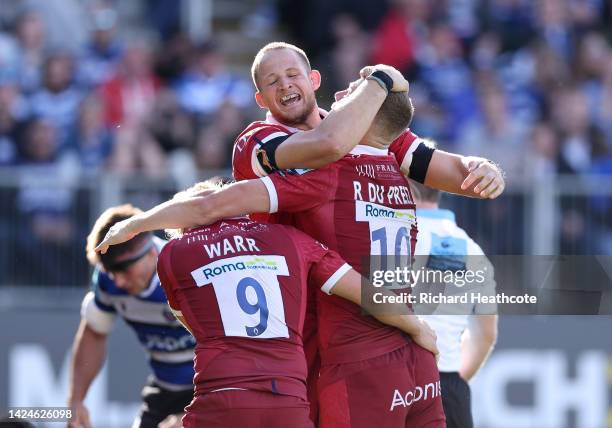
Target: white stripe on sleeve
column 267, row 181
column 333, row 280
column 273, row 136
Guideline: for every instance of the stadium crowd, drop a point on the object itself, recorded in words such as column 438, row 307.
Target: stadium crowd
column 525, row 83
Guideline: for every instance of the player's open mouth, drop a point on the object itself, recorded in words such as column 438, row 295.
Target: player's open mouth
column 290, row 99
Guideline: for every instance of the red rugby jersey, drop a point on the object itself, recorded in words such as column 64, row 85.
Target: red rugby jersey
column 249, row 162
column 358, row 206
column 242, row 288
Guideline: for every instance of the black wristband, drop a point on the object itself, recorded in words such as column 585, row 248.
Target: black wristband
column 383, row 77
column 420, row 162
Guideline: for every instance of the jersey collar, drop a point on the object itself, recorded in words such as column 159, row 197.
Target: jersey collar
column 272, row 120
column 437, row 214
column 369, row 150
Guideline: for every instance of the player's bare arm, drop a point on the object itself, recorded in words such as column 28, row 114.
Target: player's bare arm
column 465, row 175
column 477, row 343
column 88, row 357
column 240, row 198
column 349, row 287
column 344, row 127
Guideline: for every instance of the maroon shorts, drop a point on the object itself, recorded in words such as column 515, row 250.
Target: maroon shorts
column 396, row 390
column 246, row 409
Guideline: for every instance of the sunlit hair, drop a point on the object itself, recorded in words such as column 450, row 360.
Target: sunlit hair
column 107, row 219
column 199, row 189
column 394, row 115
column 275, row 46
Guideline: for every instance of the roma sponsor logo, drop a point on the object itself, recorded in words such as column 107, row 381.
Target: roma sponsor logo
column 378, row 211
column 254, row 263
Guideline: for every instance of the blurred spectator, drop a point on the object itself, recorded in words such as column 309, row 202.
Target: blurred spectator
column 542, row 162
column 463, row 18
column 348, row 55
column 429, row 120
column 136, row 151
column 130, row 94
column 544, row 73
column 207, row 84
column 216, row 140
column 496, row 134
column 487, row 49
column 582, row 151
column 448, row 79
column 44, row 202
column 599, row 95
column 173, row 57
column 581, row 148
column 310, row 22
column 581, row 142
column 511, row 20
column 31, row 38
column 170, row 125
column 91, row 140
column 553, row 26
column 12, row 112
column 401, row 33
column 175, row 132
column 58, row 100
column 103, row 52
column 591, row 57
column 129, row 98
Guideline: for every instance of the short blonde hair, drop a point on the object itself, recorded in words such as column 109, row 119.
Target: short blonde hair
column 197, row 189
column 275, row 46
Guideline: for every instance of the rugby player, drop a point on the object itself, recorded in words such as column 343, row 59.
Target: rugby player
column 285, row 86
column 125, row 285
column 240, row 287
column 466, row 332
column 359, row 206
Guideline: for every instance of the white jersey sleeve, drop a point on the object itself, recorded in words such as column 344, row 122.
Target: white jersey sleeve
column 98, row 320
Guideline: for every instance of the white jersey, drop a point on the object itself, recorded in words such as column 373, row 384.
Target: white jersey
column 439, row 235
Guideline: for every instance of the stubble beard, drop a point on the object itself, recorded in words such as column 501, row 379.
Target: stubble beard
column 301, row 117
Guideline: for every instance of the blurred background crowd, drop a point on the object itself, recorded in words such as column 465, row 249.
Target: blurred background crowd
column 108, row 102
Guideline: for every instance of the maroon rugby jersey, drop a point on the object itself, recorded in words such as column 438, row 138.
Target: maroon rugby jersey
column 358, row 206
column 241, row 287
column 248, row 161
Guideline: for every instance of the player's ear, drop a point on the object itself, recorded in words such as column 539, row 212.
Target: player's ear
column 315, row 79
column 259, row 100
